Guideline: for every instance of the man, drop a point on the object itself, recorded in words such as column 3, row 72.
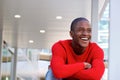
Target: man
column 77, row 58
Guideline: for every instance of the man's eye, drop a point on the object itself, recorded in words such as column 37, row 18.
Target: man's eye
column 80, row 30
column 89, row 30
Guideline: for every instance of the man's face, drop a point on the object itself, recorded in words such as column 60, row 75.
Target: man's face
column 81, row 34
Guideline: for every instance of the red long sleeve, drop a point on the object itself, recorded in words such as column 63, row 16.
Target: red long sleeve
column 66, row 64
column 59, row 66
column 97, row 70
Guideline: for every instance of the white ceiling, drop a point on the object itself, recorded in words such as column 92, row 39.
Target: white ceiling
column 40, row 14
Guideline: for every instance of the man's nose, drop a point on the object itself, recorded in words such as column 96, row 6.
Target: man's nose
column 85, row 32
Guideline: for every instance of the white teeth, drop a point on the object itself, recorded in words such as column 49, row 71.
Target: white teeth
column 84, row 38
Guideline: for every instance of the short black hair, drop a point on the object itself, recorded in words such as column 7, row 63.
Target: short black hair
column 75, row 21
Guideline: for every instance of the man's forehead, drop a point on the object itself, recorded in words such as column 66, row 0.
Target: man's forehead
column 84, row 22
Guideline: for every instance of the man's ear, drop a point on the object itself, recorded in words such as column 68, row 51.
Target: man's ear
column 71, row 34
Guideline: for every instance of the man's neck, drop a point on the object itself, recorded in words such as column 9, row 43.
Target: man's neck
column 78, row 49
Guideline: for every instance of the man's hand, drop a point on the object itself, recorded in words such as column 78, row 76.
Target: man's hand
column 87, row 65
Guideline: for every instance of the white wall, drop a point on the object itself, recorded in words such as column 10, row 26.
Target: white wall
column 1, row 29
column 114, row 54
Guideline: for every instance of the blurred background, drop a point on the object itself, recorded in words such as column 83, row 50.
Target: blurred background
column 31, row 27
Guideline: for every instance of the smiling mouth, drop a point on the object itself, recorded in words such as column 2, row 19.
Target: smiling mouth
column 84, row 39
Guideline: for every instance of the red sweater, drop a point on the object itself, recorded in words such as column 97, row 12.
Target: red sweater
column 67, row 65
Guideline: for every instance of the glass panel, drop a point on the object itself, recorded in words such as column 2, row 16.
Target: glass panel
column 7, row 53
column 103, row 37
column 103, row 32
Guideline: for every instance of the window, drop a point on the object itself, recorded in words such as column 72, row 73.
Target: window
column 103, row 31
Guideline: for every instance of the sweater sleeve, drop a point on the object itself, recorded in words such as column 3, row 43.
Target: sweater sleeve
column 97, row 70
column 58, row 66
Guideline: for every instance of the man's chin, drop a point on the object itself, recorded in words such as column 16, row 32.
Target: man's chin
column 84, row 45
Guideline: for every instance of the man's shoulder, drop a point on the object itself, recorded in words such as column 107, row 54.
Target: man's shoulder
column 95, row 45
column 62, row 43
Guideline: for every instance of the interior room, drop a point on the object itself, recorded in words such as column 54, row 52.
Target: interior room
column 31, row 27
